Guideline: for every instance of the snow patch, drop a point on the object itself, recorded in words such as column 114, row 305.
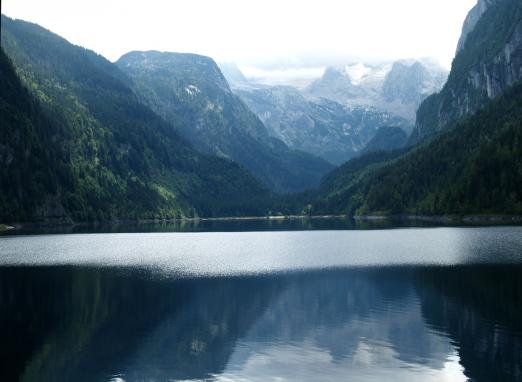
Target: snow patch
column 357, row 72
column 192, row 90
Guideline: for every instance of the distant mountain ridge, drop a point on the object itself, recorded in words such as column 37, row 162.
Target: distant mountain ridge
column 398, row 88
column 325, row 128
column 190, row 92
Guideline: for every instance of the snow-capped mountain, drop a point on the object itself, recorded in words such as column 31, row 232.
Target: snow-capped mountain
column 338, row 114
column 398, row 88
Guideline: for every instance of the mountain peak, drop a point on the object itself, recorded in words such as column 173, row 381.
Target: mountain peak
column 334, row 73
column 194, row 68
column 397, row 88
column 472, row 19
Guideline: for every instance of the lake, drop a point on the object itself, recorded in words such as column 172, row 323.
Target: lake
column 265, row 301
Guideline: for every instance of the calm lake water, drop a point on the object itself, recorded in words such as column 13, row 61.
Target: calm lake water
column 403, row 304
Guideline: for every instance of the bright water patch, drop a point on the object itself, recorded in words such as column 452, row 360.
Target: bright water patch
column 233, row 253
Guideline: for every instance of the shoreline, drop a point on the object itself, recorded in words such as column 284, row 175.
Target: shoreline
column 441, row 219
column 61, row 223
column 448, row 219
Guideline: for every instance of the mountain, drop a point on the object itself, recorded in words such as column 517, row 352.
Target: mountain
column 398, row 88
column 488, row 61
column 387, row 138
column 411, row 83
column 191, row 93
column 469, row 157
column 336, row 85
column 77, row 144
column 322, row 127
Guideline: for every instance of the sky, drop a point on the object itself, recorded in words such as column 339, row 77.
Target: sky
column 262, row 35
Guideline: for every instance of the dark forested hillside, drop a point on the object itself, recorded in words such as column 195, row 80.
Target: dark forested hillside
column 78, row 144
column 387, row 138
column 190, row 92
column 29, row 171
column 474, row 169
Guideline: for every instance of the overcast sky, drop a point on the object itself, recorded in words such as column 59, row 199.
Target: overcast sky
column 261, row 33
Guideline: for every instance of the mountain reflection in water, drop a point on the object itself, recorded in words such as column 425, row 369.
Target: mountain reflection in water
column 66, row 323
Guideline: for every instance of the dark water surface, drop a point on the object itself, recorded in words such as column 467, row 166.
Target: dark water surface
column 416, row 304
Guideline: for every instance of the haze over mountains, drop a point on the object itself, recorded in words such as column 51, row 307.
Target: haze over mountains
column 159, row 135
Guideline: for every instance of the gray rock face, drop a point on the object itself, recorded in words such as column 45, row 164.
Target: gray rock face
column 322, row 127
column 472, row 19
column 411, row 84
column 506, row 68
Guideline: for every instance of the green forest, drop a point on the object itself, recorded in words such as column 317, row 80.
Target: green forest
column 77, row 144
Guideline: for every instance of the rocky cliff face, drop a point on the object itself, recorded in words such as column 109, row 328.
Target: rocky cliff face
column 411, row 83
column 506, row 67
column 488, row 61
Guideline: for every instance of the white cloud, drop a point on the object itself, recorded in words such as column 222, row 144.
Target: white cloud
column 261, row 33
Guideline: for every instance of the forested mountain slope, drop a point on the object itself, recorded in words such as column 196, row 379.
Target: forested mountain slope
column 79, row 145
column 476, row 168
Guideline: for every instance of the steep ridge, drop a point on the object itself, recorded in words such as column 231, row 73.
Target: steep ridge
column 190, row 92
column 488, row 61
column 90, row 150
